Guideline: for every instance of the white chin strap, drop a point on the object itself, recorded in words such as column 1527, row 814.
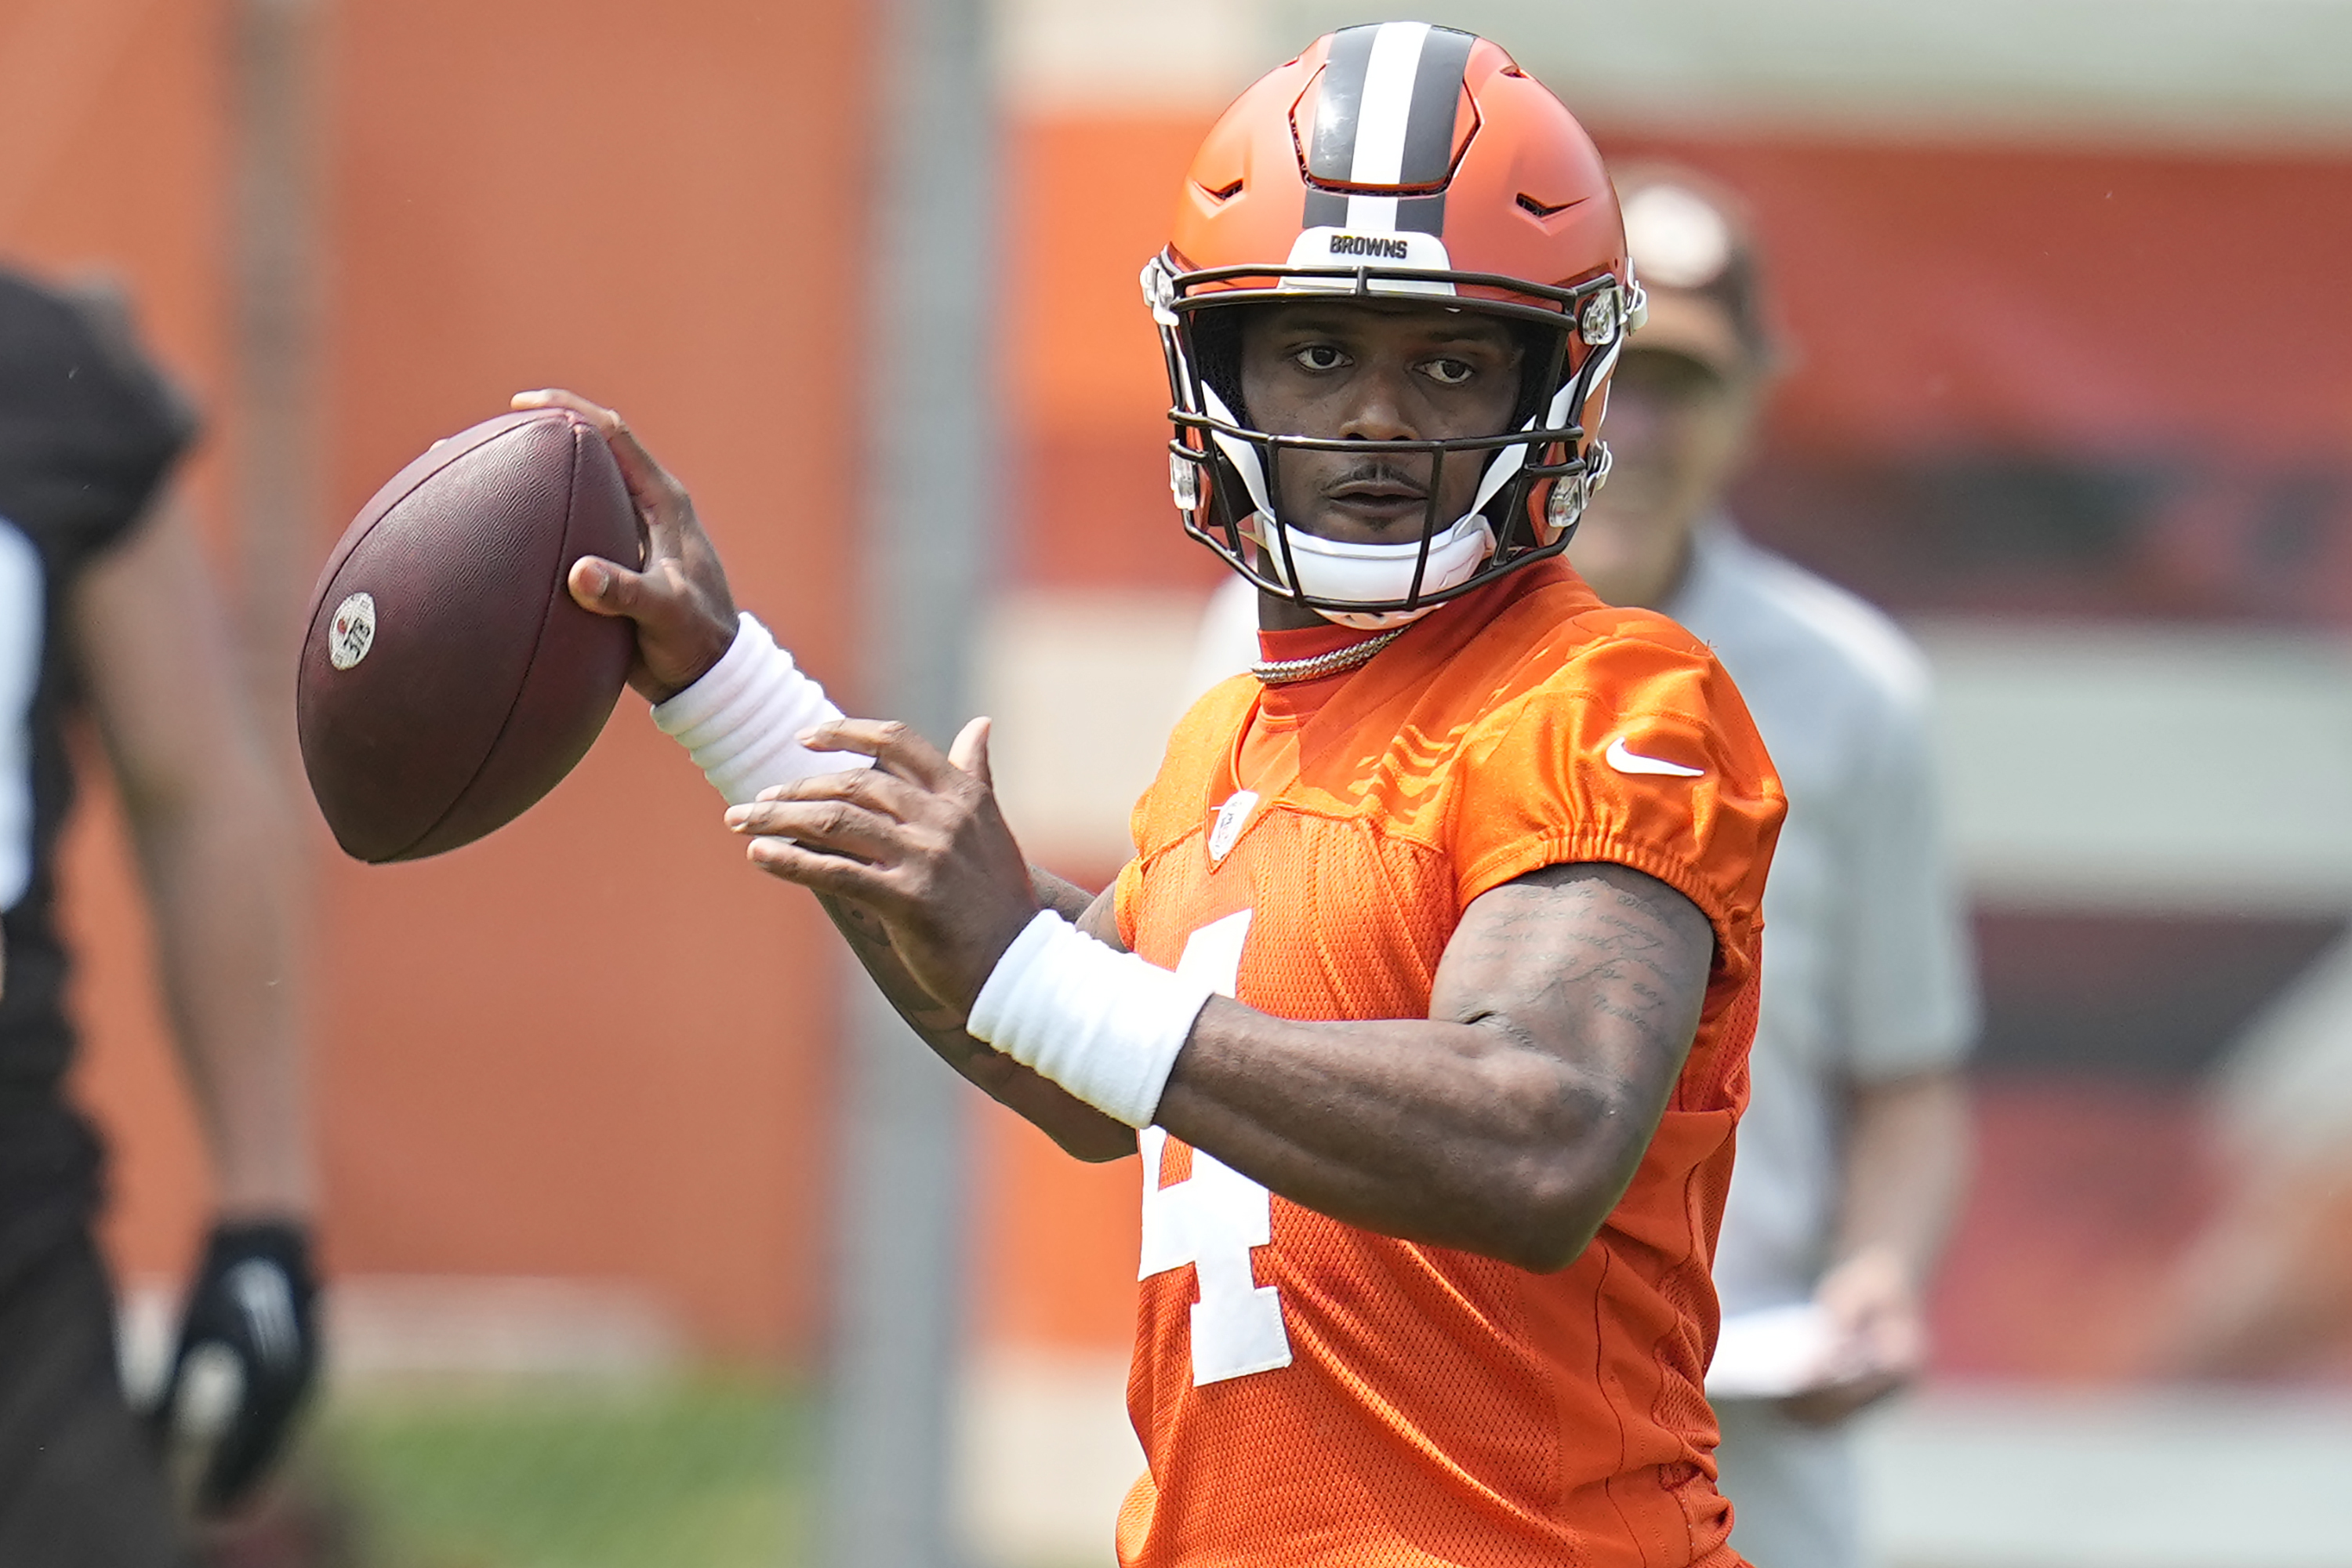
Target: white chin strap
column 1338, row 571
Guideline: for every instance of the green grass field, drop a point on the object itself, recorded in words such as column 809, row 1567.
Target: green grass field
column 700, row 1474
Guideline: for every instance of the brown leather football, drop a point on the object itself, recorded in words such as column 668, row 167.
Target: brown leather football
column 447, row 679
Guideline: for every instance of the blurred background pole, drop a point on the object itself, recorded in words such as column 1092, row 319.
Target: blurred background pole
column 278, row 290
column 933, row 470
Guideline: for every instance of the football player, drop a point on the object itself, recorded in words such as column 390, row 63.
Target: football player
column 105, row 611
column 1426, row 999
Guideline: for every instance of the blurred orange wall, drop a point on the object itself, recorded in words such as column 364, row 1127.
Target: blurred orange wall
column 594, row 1045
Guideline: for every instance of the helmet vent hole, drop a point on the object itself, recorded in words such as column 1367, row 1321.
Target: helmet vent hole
column 1224, row 192
column 1542, row 209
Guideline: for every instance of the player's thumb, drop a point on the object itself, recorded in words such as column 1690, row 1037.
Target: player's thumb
column 970, row 752
column 599, row 585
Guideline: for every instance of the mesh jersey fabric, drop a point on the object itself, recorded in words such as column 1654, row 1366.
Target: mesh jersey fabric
column 88, row 431
column 1439, row 1407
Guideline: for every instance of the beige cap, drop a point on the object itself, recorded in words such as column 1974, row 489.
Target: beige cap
column 1694, row 258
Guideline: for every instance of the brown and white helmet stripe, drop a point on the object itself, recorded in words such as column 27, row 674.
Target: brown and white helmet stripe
column 1383, row 143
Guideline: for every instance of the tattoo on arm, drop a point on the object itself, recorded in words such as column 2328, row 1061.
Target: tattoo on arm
column 869, row 938
column 1596, row 949
column 1078, row 1128
column 941, row 1026
column 1509, row 1121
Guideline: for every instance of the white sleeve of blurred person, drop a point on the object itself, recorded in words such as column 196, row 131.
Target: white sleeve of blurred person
column 1853, row 1153
column 210, row 826
column 1904, row 973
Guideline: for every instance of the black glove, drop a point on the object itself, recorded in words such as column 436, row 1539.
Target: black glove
column 254, row 1299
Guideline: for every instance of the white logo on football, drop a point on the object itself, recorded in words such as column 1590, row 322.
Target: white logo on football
column 1626, row 762
column 354, row 631
column 1231, row 816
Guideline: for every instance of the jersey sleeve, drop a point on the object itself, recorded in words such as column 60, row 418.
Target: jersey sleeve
column 89, row 426
column 1127, row 894
column 1906, row 971
column 1639, row 751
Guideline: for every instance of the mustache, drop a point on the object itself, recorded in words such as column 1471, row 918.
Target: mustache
column 1379, row 471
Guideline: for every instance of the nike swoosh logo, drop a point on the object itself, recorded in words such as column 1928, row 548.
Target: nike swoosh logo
column 1626, row 762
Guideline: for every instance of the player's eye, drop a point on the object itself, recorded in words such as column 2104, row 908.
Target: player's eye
column 1450, row 372
column 1319, row 357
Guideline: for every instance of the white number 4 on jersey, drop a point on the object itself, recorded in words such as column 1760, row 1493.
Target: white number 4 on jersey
column 1212, row 1219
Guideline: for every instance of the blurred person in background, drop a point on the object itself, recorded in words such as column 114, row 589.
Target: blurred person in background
column 2265, row 1289
column 1853, row 1150
column 106, row 612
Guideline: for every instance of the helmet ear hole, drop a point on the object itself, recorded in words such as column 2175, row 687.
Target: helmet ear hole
column 1216, row 346
column 1543, row 364
column 1228, row 505
column 1513, row 510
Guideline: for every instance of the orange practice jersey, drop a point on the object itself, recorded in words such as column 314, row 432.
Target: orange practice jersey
column 1310, row 1392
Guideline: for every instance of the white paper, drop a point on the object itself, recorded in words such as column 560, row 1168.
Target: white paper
column 1772, row 1353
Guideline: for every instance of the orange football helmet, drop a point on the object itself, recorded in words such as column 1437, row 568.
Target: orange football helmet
column 1396, row 159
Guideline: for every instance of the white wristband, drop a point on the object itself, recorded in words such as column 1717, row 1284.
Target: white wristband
column 1104, row 1025
column 741, row 721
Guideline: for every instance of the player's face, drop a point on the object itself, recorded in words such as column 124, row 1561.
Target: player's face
column 1676, row 431
column 1348, row 370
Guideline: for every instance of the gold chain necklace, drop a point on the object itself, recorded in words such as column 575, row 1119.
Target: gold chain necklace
column 1284, row 671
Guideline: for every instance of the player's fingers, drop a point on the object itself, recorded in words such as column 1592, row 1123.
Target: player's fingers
column 819, row 819
column 607, row 588
column 891, row 744
column 820, row 873
column 870, row 788
column 659, row 498
column 832, row 827
column 596, row 414
column 970, row 752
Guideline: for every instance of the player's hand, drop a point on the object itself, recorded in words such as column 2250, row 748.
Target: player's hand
column 1881, row 1337
column 677, row 595
column 248, row 1351
column 915, row 838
